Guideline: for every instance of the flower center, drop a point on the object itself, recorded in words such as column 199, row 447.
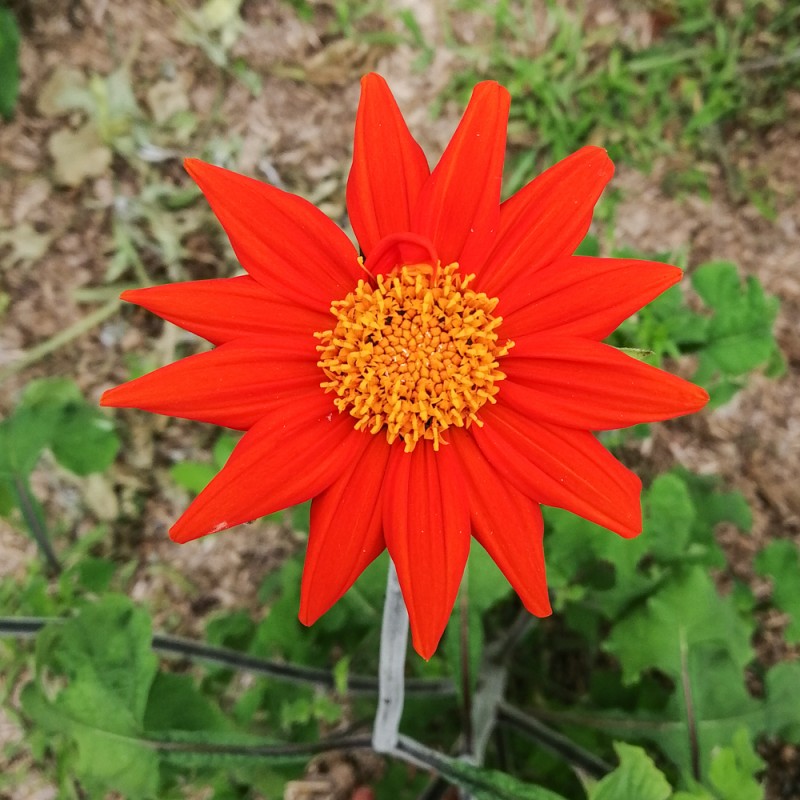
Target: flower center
column 414, row 354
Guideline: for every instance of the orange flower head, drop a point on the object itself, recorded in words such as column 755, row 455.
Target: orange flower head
column 441, row 385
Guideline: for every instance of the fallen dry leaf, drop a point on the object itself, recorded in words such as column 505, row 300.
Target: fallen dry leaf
column 78, row 155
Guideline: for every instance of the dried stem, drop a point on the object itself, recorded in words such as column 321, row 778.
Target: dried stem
column 391, row 670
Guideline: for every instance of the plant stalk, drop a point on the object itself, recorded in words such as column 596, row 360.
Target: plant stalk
column 391, row 669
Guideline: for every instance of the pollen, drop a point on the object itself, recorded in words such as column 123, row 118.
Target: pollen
column 413, row 353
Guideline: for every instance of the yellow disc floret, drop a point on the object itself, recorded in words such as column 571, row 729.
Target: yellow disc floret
column 413, row 354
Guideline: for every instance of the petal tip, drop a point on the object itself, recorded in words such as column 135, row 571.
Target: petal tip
column 425, row 646
column 106, row 399
column 131, row 295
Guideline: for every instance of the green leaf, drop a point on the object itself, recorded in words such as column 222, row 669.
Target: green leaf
column 52, row 393
column 740, row 332
column 84, row 440
column 301, row 517
column 636, row 778
column 714, row 506
column 105, row 658
column 9, row 62
column 95, row 574
column 7, row 498
column 175, row 703
column 670, row 514
column 686, row 612
column 23, row 437
column 280, row 633
column 52, row 413
column 223, row 448
column 779, row 561
column 106, row 645
column 783, row 701
column 192, row 475
column 733, row 769
column 110, row 753
column 711, row 686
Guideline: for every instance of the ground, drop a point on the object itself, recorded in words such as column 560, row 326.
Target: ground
column 60, row 212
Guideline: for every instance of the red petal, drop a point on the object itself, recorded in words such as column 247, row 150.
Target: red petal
column 508, row 525
column 389, row 167
column 561, row 467
column 546, row 219
column 400, row 249
column 284, row 459
column 346, row 531
column 222, row 309
column 283, row 241
column 584, row 384
column 582, row 296
column 426, row 524
column 459, row 207
column 234, row 386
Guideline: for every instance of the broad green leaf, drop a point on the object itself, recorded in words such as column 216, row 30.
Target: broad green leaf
column 84, row 440
column 670, row 514
column 301, row 516
column 712, row 687
column 280, row 633
column 234, row 629
column 107, row 645
column 95, row 574
column 175, row 703
column 577, row 549
column 714, row 506
column 686, row 612
column 697, row 793
column 733, row 770
column 223, row 448
column 779, row 561
column 23, row 437
column 110, row 753
column 783, row 701
column 740, row 332
column 192, row 475
column 50, row 393
column 26, row 433
column 52, row 413
column 717, row 283
column 9, row 62
column 636, row 778
column 7, row 498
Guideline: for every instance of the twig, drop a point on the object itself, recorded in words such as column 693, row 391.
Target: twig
column 391, row 670
column 493, row 676
column 226, row 657
column 52, row 344
column 552, row 740
column 35, row 523
column 768, row 62
column 260, row 750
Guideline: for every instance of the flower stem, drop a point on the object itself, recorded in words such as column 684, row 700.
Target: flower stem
column 391, row 670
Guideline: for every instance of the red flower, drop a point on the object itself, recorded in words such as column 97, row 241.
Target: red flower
column 445, row 385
